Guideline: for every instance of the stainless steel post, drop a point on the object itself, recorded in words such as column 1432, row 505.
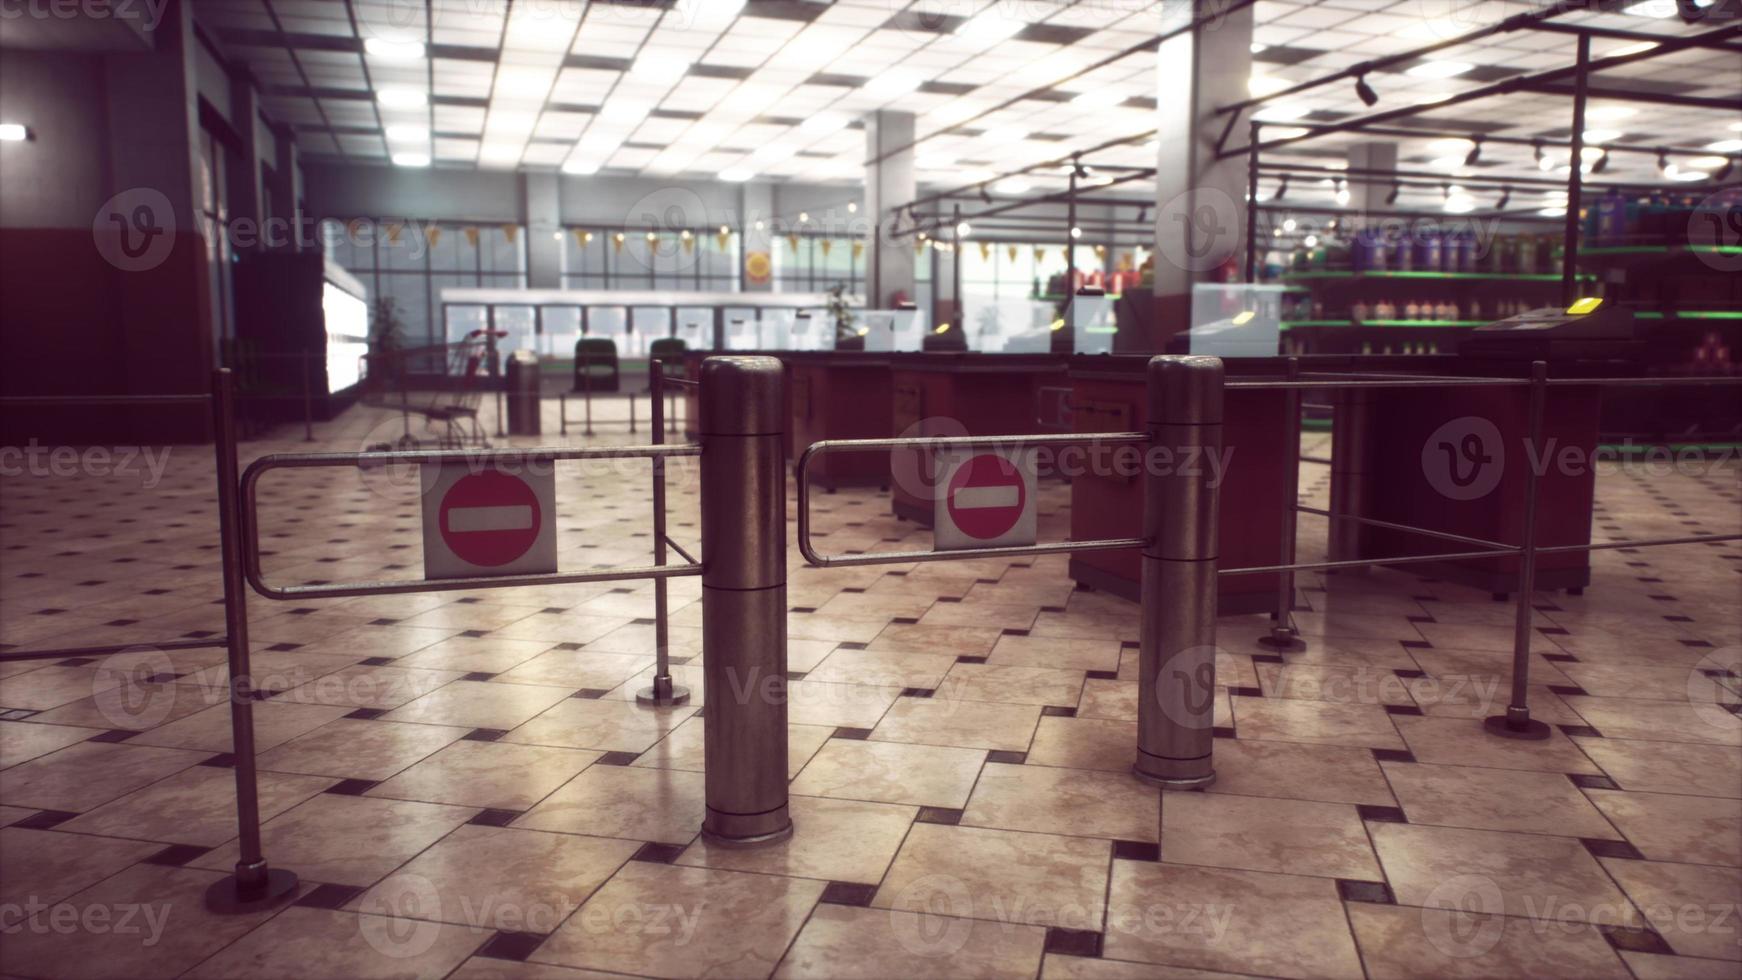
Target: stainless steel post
column 1516, row 722
column 308, row 413
column 1283, row 635
column 662, row 692
column 1177, row 660
column 1349, row 423
column 255, row 885
column 743, row 435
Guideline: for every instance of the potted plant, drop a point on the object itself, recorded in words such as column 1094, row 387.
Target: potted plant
column 384, row 336
column 846, row 338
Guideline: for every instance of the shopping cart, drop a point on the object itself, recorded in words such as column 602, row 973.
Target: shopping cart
column 443, row 383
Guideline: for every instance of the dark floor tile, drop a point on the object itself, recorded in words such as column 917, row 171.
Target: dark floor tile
column 328, row 896
column 939, row 814
column 352, row 787
column 1636, row 940
column 1586, row 781
column 1007, row 757
column 1580, row 731
column 367, row 714
column 514, row 946
column 918, row 692
column 1381, row 814
column 45, row 819
column 1374, row 892
column 618, row 758
column 176, row 855
column 113, row 735
column 849, row 893
column 1393, row 755
column 1136, row 850
column 1611, row 849
column 494, row 817
column 1073, row 942
column 1058, row 711
column 484, row 734
column 853, row 734
column 654, row 853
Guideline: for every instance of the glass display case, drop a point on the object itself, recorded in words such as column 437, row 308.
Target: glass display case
column 1236, row 319
column 893, row 330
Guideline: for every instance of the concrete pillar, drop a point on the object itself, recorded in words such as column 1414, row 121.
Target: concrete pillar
column 1200, row 201
column 541, row 208
column 1365, row 197
column 888, row 183
column 247, row 198
column 758, row 208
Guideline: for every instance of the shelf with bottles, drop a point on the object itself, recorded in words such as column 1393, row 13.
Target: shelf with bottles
column 1422, row 253
column 1292, row 324
column 1384, row 310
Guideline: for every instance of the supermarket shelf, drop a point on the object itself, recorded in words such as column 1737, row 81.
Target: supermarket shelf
column 1689, row 315
column 1382, row 323
column 1625, row 250
column 1322, row 274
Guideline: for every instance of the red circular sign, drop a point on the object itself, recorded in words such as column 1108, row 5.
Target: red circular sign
column 986, row 496
column 490, row 518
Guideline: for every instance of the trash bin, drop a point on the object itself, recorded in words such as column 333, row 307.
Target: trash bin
column 523, row 391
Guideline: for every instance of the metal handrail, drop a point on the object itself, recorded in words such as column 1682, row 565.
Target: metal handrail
column 479, row 458
column 816, row 449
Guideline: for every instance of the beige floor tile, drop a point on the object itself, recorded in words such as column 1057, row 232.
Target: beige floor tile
column 684, row 747
column 209, row 730
column 1236, row 921
column 836, row 840
column 167, row 931
column 1687, row 768
column 1686, row 829
column 961, row 641
column 1044, row 799
column 1008, row 877
column 1459, row 741
column 1316, row 722
column 1644, row 681
column 307, row 942
column 567, row 628
column 1059, row 967
column 1692, row 906
column 1333, row 682
column 1397, row 941
column 1084, row 743
column 576, row 670
column 479, row 704
column 1659, row 721
column 499, row 878
column 835, row 629
column 891, row 772
column 10, row 815
column 1015, row 615
column 1481, row 871
column 1259, row 834
column 83, row 776
column 1658, row 966
column 363, row 686
column 1295, row 770
column 383, row 641
column 967, row 724
column 1384, row 653
column 1494, row 799
column 690, row 676
column 1102, row 698
column 1012, row 685
column 845, row 943
column 43, row 867
column 497, row 775
column 1056, row 653
column 353, row 749
column 53, row 686
column 135, row 706
column 806, row 654
column 1476, row 698
column 662, row 920
column 663, row 805
column 1475, row 636
column 347, row 840
column 194, row 806
column 473, row 616
column 637, row 639
column 883, row 668
column 605, row 725
column 489, row 968
column 21, row 742
column 811, row 702
column 490, row 654
column 1487, row 666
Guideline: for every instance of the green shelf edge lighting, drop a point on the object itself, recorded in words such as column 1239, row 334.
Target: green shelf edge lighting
column 1690, row 315
column 1401, row 274
column 1662, row 249
column 1383, row 323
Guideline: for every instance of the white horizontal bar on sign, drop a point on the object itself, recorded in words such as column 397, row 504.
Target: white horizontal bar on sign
column 973, row 498
column 513, row 517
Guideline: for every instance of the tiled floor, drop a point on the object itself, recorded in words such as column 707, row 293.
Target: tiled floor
column 467, row 787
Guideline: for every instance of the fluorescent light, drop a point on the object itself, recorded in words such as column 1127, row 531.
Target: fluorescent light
column 1440, row 69
column 1610, row 112
column 1258, row 48
column 1281, row 113
column 775, row 152
column 1451, row 146
column 13, row 133
column 1726, row 146
column 411, row 159
column 1736, row 127
column 407, row 133
column 388, row 50
column 1012, row 185
column 1684, row 174
column 1285, row 133
column 1651, row 8
column 896, row 81
column 934, row 161
column 1602, row 135
column 963, row 229
column 500, row 152
column 736, row 175
column 993, row 25
column 662, row 66
column 823, row 123
column 1262, row 85
column 1432, row 98
column 1706, row 163
column 581, row 168
column 402, row 98
column 1630, row 49
column 1553, row 212
column 1005, row 134
column 1099, row 98
column 621, row 111
column 1459, row 204
column 951, row 113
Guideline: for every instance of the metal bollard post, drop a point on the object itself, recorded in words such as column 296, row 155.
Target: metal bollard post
column 1516, row 722
column 1350, row 418
column 1283, row 635
column 1177, row 663
column 308, row 412
column 743, row 435
column 662, row 692
column 255, row 885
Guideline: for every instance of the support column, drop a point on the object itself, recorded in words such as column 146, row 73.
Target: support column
column 888, row 183
column 542, row 208
column 1200, row 200
column 1369, row 193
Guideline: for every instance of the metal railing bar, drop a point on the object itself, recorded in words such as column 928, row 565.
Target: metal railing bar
column 686, row 556
column 1367, row 562
column 1649, row 543
column 1390, row 383
column 967, row 442
column 1407, row 528
column 903, row 557
column 681, row 381
column 1643, row 382
column 469, row 456
column 603, row 574
column 98, row 651
column 104, row 399
column 1320, row 460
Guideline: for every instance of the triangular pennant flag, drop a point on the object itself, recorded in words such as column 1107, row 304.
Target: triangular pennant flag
column 858, row 249
column 792, row 242
column 393, row 232
column 582, row 237
column 985, row 251
column 472, row 237
column 689, row 243
column 617, row 243
column 723, row 237
column 510, row 231
column 1011, row 251
column 1039, row 254
column 919, row 245
column 826, row 244
column 434, row 234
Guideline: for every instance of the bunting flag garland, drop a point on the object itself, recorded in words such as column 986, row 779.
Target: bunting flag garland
column 617, row 243
column 472, row 237
column 1039, row 254
column 826, row 244
column 858, row 249
column 919, row 245
column 985, row 251
column 1101, row 251
column 510, row 231
column 792, row 242
column 582, row 237
column 1011, row 251
column 433, row 234
column 689, row 242
column 723, row 237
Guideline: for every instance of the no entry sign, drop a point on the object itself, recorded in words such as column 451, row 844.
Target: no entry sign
column 487, row 522
column 985, row 499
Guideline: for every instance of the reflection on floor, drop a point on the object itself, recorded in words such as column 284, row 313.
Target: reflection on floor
column 467, row 787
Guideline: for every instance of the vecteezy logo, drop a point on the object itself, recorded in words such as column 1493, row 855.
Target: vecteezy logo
column 1462, row 916
column 1198, row 230
column 929, row 917
column 1185, row 688
column 1715, row 230
column 1464, row 458
column 134, row 231
column 395, row 919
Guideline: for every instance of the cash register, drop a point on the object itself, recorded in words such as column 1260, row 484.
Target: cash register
column 1590, row 329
